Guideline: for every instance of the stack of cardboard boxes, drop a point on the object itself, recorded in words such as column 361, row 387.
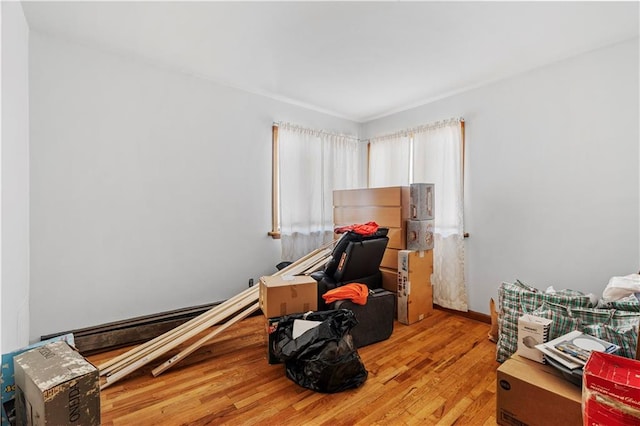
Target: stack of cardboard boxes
column 532, row 393
column 421, row 222
column 415, row 265
column 389, row 207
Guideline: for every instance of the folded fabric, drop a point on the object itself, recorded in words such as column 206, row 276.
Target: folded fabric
column 355, row 292
column 362, row 228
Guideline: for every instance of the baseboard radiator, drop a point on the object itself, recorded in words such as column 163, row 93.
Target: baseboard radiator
column 138, row 330
column 129, row 332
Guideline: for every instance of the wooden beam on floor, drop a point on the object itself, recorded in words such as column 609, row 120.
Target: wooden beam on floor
column 112, row 364
column 197, row 345
column 233, row 310
column 170, row 342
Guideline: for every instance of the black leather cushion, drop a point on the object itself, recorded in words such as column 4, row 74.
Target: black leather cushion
column 354, row 259
column 343, row 243
column 360, row 259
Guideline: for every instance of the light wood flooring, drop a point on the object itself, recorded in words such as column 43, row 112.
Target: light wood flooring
column 441, row 370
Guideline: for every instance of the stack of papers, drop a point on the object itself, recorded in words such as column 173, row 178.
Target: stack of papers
column 573, row 349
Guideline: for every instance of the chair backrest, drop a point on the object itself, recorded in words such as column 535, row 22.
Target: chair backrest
column 360, row 259
column 344, row 242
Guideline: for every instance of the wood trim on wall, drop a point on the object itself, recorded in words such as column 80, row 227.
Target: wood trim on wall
column 478, row 316
column 275, row 184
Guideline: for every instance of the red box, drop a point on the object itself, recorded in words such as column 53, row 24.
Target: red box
column 601, row 414
column 611, row 390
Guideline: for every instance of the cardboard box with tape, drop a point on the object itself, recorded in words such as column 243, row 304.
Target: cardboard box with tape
column 287, row 294
column 414, row 292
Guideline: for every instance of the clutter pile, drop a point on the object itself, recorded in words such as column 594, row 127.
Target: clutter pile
column 225, row 315
column 590, row 345
column 615, row 321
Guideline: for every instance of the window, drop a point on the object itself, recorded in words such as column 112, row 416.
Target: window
column 308, row 165
column 432, row 153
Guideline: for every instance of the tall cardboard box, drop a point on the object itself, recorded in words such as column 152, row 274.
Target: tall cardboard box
column 534, row 394
column 55, row 385
column 414, row 292
column 287, row 294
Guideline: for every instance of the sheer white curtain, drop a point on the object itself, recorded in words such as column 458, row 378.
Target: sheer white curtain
column 344, row 167
column 312, row 164
column 389, row 158
column 437, row 159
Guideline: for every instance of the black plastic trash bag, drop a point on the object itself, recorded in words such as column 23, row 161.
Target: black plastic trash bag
column 323, row 358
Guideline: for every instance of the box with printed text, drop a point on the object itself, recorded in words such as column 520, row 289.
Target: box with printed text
column 532, row 331
column 55, row 385
column 414, row 293
column 534, row 394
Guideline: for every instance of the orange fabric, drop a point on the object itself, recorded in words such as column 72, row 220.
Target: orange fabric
column 362, row 228
column 356, row 292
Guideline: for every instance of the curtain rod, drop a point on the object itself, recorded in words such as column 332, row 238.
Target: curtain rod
column 307, row 130
column 405, row 132
column 420, row 129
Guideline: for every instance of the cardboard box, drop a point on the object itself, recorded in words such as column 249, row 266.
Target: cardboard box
column 8, row 382
column 390, row 278
column 422, row 201
column 420, row 234
column 287, row 294
column 55, row 385
column 414, row 292
column 532, row 331
column 530, row 393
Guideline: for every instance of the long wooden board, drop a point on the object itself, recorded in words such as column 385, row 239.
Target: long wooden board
column 214, row 319
column 245, row 302
column 144, row 348
column 195, row 346
column 140, row 351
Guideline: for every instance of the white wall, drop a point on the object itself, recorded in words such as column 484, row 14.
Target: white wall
column 14, row 211
column 150, row 190
column 552, row 187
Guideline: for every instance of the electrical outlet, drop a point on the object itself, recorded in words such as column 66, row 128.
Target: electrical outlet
column 250, row 282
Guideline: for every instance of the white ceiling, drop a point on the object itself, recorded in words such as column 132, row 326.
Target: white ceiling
column 356, row 60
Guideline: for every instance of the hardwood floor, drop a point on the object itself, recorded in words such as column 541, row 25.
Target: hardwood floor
column 441, row 370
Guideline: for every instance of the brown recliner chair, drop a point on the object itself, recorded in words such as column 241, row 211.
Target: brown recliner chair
column 355, row 258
